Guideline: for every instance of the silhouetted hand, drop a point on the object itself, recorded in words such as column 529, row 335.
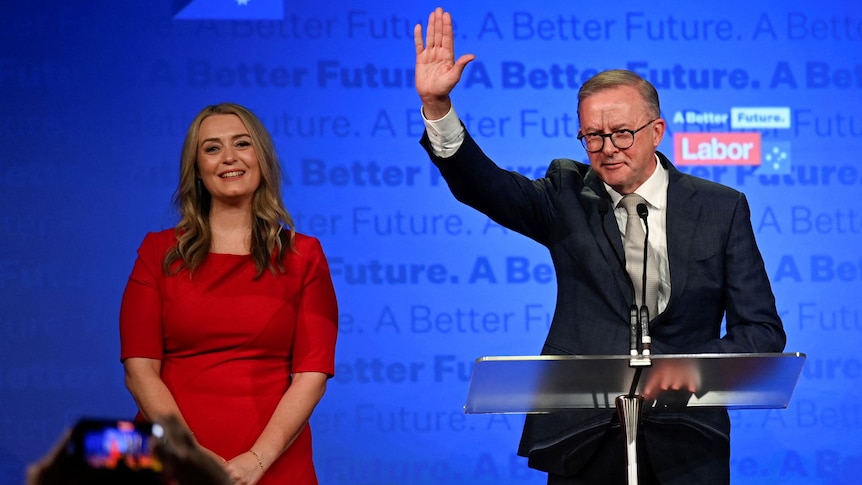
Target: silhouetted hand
column 184, row 461
column 57, row 467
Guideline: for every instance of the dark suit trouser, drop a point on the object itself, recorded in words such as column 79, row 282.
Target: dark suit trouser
column 675, row 454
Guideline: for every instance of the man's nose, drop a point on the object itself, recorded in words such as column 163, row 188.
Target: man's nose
column 609, row 148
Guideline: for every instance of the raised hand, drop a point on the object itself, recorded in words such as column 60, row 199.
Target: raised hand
column 437, row 71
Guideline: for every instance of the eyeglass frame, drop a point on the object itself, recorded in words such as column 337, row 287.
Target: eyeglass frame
column 611, row 136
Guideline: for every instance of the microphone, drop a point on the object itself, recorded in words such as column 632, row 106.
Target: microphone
column 646, row 341
column 634, row 322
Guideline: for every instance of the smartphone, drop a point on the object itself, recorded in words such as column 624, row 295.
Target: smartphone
column 116, row 444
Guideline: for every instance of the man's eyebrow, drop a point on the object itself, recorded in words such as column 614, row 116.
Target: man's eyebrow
column 613, row 129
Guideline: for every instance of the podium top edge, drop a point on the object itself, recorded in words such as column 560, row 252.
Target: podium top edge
column 554, row 358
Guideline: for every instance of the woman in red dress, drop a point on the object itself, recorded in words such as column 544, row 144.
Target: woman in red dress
column 229, row 320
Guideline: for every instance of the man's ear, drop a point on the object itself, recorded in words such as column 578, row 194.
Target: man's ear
column 659, row 126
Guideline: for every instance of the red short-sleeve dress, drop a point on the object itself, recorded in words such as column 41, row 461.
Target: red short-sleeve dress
column 228, row 341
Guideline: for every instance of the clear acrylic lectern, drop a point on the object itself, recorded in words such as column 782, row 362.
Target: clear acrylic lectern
column 548, row 383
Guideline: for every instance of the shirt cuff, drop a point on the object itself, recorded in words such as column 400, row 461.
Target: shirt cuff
column 446, row 134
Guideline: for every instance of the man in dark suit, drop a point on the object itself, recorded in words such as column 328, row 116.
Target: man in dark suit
column 701, row 243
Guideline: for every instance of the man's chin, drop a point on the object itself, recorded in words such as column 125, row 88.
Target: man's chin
column 614, row 178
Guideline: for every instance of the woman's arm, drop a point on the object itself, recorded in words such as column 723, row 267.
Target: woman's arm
column 312, row 359
column 141, row 333
column 143, row 379
column 154, row 399
column 290, row 417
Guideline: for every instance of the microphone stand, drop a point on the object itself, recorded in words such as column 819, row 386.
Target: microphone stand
column 646, row 341
column 635, row 355
column 629, row 406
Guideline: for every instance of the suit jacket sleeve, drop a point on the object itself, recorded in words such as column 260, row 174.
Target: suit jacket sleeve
column 508, row 198
column 751, row 319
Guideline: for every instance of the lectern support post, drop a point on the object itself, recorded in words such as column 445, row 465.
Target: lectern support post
column 629, row 409
column 550, row 383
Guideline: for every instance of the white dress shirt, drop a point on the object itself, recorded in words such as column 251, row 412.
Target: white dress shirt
column 654, row 191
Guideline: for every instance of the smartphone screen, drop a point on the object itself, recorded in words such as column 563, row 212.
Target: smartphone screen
column 117, row 445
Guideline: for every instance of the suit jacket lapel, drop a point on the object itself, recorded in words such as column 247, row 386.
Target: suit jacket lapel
column 682, row 217
column 593, row 182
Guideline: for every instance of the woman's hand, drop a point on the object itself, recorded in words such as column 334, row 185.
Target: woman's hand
column 245, row 468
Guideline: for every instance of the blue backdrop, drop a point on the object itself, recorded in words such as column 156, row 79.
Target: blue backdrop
column 96, row 98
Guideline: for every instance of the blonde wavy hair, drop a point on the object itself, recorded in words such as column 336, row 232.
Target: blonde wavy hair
column 272, row 233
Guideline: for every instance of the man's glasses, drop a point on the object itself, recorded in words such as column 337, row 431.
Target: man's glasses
column 622, row 139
